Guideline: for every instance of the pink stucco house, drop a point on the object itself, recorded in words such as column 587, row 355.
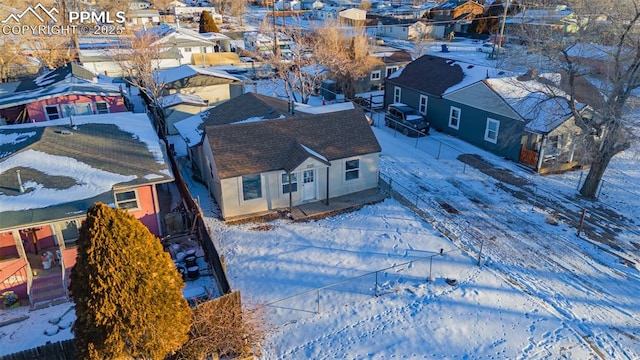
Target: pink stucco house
column 51, row 173
column 69, row 90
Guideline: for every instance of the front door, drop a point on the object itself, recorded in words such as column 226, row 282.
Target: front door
column 308, row 185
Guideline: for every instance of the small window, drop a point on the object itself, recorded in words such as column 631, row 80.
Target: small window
column 391, row 70
column 352, row 169
column 491, row 132
column 127, row 200
column 397, row 92
column 555, row 142
column 69, row 230
column 251, row 187
column 422, row 106
column 102, row 107
column 289, row 187
column 375, row 75
column 454, row 118
column 52, row 112
column 187, row 49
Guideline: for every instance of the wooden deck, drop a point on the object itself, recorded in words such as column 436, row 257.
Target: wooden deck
column 320, row 209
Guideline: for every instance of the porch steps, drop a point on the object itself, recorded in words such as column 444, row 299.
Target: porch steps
column 46, row 289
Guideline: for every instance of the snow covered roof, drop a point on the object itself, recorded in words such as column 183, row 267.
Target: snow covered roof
column 190, row 129
column 64, row 169
column 179, row 98
column 55, row 90
column 443, row 75
column 71, row 72
column 185, row 71
column 324, row 108
column 540, row 103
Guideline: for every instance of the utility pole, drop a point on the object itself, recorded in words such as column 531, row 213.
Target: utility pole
column 505, row 4
column 275, row 32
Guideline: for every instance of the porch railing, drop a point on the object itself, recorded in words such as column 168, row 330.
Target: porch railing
column 19, row 276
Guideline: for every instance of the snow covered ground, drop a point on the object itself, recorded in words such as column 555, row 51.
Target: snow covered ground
column 371, row 284
column 541, row 292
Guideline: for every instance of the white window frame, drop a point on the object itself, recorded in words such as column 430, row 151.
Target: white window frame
column 242, row 187
column 348, row 172
column 390, row 70
column 127, row 201
column 284, row 179
column 397, row 94
column 375, row 75
column 488, row 131
column 455, row 125
column 106, row 104
column 58, row 111
column 422, row 106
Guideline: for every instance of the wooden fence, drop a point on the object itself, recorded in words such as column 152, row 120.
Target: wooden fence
column 62, row 350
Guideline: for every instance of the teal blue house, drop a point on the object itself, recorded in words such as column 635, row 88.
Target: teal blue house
column 521, row 118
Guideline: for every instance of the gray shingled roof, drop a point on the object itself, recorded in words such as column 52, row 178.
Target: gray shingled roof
column 256, row 147
column 245, row 106
column 58, row 75
column 429, row 74
column 104, row 147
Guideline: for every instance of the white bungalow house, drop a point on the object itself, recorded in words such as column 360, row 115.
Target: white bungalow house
column 192, row 47
column 259, row 159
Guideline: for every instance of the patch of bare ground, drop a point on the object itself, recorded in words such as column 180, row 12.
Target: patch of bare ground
column 503, row 175
column 601, row 224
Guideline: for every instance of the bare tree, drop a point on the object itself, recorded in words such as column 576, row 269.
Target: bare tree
column 222, row 6
column 237, row 9
column 609, row 30
column 344, row 52
column 139, row 58
column 11, row 58
column 53, row 51
column 224, row 327
column 296, row 66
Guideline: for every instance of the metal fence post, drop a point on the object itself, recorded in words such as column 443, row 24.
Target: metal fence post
column 439, row 147
column 375, row 289
column 480, row 253
column 318, row 301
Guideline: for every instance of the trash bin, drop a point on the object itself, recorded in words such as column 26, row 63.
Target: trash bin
column 445, row 48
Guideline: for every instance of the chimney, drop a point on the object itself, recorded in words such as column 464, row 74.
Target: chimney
column 20, row 181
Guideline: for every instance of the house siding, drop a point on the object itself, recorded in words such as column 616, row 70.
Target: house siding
column 472, row 122
column 36, row 108
column 147, row 213
column 232, row 204
column 178, row 112
column 214, row 94
column 472, row 128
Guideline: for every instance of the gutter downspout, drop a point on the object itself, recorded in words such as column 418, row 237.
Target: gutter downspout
column 327, row 201
column 156, row 209
column 290, row 195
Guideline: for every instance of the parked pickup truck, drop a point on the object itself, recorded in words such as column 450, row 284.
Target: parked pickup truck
column 406, row 119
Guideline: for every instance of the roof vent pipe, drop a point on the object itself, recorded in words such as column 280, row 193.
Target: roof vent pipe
column 20, row 181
